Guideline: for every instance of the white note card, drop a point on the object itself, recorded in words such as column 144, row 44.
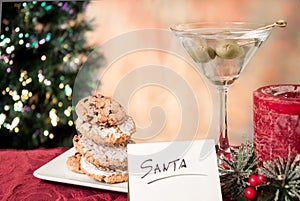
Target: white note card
column 173, row 171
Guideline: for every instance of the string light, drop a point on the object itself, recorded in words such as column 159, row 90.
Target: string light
column 60, row 104
column 67, row 112
column 18, row 106
column 46, row 133
column 61, row 85
column 2, row 118
column 47, row 82
column 25, row 95
column 15, row 95
column 6, row 107
column 14, row 123
column 70, row 123
column 51, row 136
column 53, row 117
column 68, row 90
column 41, row 77
column 33, row 106
column 43, row 58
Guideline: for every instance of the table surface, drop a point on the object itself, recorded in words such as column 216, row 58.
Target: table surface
column 18, row 182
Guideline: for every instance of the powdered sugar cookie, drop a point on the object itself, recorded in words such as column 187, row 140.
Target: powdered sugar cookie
column 109, row 111
column 101, row 109
column 73, row 163
column 107, row 175
column 102, row 154
column 104, row 131
column 85, row 109
column 106, row 135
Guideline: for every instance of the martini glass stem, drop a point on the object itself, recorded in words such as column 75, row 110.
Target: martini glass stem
column 223, row 127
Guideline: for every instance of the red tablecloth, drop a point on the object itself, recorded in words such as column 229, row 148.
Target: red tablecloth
column 18, row 182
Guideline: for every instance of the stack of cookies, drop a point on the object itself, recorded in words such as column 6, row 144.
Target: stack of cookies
column 104, row 130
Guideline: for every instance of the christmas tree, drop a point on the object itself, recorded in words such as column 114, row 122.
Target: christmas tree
column 42, row 47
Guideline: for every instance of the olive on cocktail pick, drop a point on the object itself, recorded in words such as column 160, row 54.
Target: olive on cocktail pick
column 229, row 49
column 201, row 54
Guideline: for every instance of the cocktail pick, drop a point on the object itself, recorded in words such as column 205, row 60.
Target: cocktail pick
column 279, row 23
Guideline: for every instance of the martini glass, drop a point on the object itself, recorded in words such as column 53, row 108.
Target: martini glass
column 221, row 51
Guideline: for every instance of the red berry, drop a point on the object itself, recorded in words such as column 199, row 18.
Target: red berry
column 261, row 179
column 250, row 193
column 228, row 156
column 253, row 180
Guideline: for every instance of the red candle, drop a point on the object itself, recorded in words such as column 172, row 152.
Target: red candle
column 276, row 121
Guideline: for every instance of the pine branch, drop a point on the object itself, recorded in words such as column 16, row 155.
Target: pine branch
column 236, row 170
column 284, row 176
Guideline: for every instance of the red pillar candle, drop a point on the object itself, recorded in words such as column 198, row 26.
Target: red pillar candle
column 276, row 121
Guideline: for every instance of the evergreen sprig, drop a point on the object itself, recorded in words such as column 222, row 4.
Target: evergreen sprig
column 234, row 172
column 284, row 178
column 283, row 175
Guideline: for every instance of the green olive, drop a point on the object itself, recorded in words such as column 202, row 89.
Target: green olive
column 201, row 54
column 229, row 49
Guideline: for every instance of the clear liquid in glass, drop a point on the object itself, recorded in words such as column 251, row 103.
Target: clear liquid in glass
column 221, row 69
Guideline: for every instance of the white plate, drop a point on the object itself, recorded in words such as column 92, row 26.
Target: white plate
column 56, row 170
